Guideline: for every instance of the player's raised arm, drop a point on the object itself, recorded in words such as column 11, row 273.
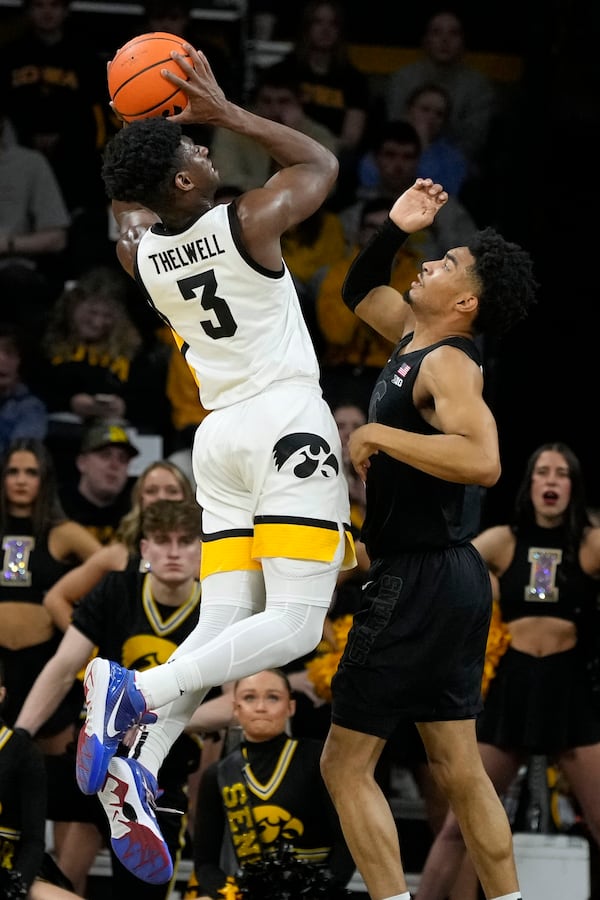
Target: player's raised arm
column 366, row 290
column 315, row 168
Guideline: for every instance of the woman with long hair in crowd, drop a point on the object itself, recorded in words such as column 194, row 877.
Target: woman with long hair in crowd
column 40, row 545
column 541, row 700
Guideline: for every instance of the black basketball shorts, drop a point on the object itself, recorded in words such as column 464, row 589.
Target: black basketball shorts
column 417, row 645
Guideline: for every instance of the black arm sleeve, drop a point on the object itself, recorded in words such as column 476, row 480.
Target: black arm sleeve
column 373, row 265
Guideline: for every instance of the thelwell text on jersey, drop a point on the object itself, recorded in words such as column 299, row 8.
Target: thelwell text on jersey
column 187, row 254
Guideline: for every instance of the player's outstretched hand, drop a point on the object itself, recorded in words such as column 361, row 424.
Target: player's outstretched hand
column 207, row 100
column 417, row 207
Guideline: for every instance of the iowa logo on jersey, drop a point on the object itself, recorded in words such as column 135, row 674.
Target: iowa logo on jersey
column 275, row 823
column 305, row 454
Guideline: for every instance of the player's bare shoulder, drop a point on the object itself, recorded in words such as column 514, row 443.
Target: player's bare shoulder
column 449, row 366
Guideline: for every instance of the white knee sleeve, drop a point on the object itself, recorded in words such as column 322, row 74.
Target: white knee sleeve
column 283, row 632
column 235, row 642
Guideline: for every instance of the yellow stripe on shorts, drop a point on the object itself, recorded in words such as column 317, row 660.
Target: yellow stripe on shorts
column 295, row 538
column 274, row 536
column 227, row 552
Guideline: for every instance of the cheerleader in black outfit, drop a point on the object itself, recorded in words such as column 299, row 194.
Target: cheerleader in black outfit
column 541, row 701
column 263, row 813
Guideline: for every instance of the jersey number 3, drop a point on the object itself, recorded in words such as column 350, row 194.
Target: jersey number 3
column 205, row 285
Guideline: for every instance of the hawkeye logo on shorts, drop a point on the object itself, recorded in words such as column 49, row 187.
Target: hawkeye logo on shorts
column 305, row 454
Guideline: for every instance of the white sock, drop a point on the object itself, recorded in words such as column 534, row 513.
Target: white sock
column 239, row 632
column 404, row 896
column 516, row 895
column 154, row 741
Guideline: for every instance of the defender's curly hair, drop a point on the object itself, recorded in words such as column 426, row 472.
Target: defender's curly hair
column 506, row 282
column 141, row 160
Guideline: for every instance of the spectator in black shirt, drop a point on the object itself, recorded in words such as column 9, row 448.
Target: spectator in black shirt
column 101, row 496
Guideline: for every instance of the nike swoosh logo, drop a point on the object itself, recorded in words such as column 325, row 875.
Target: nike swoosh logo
column 111, row 731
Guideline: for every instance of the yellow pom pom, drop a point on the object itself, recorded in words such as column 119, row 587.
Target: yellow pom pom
column 323, row 666
column 497, row 645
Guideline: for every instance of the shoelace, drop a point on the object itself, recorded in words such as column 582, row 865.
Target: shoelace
column 130, row 735
column 151, row 800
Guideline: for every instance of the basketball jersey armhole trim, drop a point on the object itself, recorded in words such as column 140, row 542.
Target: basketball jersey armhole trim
column 236, row 234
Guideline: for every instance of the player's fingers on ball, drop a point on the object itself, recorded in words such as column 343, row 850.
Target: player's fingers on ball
column 182, row 61
column 197, row 57
column 168, row 75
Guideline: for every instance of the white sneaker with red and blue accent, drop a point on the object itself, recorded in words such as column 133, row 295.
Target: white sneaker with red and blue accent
column 129, row 801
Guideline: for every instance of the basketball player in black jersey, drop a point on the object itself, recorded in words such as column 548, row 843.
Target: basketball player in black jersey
column 416, row 649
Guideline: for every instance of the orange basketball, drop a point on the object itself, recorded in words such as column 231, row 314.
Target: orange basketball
column 135, row 84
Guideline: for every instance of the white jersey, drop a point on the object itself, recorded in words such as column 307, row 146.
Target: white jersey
column 241, row 326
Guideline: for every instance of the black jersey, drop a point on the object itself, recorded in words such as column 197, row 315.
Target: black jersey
column 121, row 617
column 540, row 581
column 408, row 509
column 28, row 568
column 101, row 521
column 280, row 797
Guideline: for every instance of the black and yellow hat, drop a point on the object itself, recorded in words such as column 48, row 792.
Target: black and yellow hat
column 107, row 434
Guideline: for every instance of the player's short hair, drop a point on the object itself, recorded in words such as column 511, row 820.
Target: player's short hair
column 141, row 161
column 506, row 284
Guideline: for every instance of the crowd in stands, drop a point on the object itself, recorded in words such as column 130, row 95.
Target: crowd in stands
column 86, row 364
column 97, row 348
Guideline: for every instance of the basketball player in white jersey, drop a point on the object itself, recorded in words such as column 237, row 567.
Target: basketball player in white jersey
column 267, row 459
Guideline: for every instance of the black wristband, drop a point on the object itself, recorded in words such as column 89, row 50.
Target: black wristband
column 393, row 230
column 23, row 731
column 373, row 265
